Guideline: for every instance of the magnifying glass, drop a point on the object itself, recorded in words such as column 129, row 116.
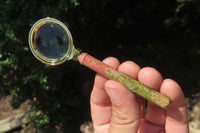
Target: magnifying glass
column 51, row 43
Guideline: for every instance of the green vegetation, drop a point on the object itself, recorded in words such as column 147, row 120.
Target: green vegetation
column 163, row 34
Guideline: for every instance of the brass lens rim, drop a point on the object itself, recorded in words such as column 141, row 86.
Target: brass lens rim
column 38, row 54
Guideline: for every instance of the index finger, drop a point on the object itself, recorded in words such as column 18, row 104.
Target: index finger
column 99, row 95
column 99, row 100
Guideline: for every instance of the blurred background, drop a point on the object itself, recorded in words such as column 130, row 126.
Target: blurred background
column 162, row 34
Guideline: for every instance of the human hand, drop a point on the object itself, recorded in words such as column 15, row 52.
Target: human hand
column 115, row 109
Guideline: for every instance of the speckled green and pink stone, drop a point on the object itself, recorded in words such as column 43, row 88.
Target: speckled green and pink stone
column 130, row 83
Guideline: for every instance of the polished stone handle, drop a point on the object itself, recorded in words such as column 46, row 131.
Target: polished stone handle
column 130, row 83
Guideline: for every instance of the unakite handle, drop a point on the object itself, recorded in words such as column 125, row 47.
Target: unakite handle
column 130, row 83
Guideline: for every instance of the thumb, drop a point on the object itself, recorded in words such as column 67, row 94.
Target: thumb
column 125, row 108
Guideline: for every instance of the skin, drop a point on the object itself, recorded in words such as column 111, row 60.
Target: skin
column 115, row 109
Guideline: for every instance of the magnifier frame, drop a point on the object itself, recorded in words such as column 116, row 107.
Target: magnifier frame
column 38, row 54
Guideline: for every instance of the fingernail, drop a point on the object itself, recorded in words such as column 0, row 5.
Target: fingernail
column 114, row 96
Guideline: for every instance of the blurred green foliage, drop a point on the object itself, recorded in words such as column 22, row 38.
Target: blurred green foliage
column 163, row 34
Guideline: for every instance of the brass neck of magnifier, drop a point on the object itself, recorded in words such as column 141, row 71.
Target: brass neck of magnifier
column 76, row 53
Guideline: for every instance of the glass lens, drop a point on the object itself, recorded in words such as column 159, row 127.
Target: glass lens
column 52, row 41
